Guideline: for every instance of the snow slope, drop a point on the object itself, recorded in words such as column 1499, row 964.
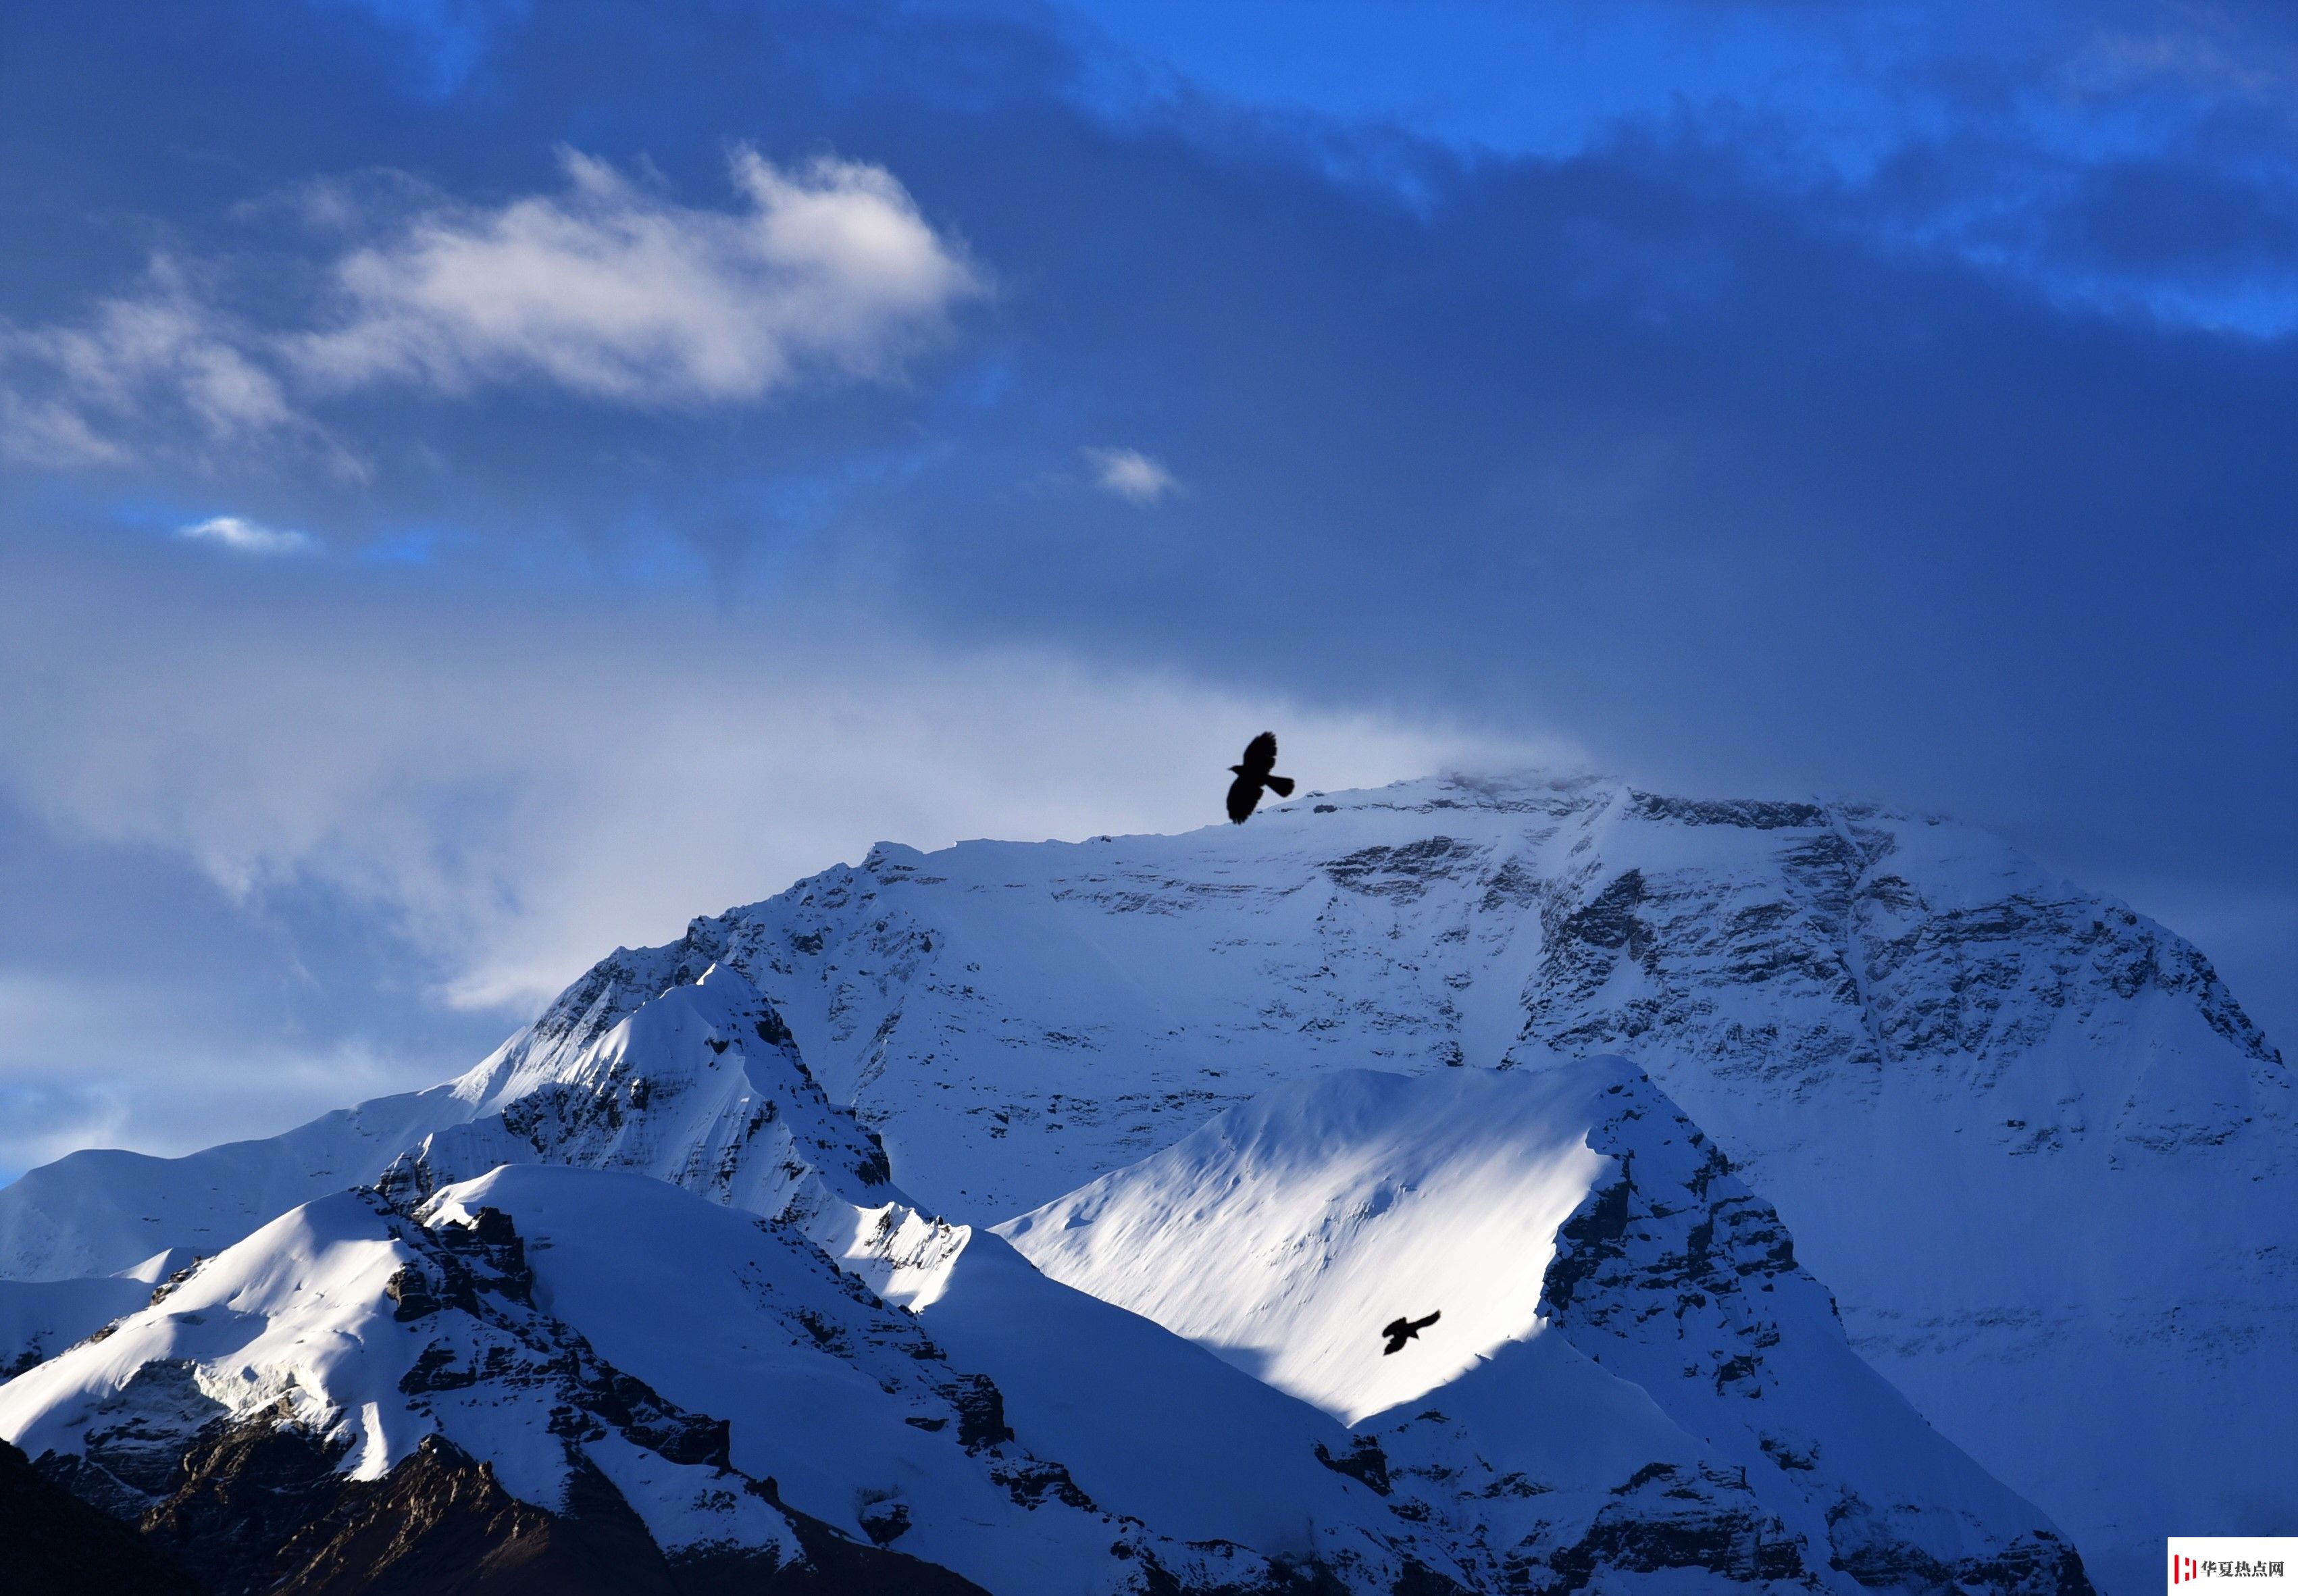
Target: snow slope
column 1282, row 1234
column 600, row 1344
column 1587, row 1247
column 577, row 1331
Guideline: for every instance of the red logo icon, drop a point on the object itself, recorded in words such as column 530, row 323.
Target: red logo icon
column 2182, row 1569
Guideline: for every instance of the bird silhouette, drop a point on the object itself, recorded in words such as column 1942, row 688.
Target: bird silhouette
column 1254, row 774
column 1401, row 1330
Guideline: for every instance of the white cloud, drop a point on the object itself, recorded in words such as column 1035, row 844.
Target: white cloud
column 612, row 291
column 247, row 537
column 824, row 272
column 1132, row 474
column 48, row 432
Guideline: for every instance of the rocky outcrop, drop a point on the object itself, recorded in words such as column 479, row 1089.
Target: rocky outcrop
column 261, row 1508
column 1672, row 1272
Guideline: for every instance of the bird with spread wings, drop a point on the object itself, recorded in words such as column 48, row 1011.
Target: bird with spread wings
column 1255, row 773
column 1401, row 1330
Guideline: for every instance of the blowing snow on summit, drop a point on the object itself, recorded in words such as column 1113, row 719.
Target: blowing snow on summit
column 1508, row 793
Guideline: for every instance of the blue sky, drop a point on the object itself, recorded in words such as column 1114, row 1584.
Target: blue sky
column 483, row 482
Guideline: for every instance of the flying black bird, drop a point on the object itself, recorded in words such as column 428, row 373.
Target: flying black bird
column 1401, row 1330
column 1254, row 774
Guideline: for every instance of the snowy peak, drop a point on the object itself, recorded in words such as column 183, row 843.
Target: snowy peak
column 1672, row 1274
column 1875, row 945
column 701, row 1086
column 1122, row 988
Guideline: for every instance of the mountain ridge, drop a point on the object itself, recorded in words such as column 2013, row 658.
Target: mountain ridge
column 555, row 1360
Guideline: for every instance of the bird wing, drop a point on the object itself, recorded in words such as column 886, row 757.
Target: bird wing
column 1398, row 1328
column 1244, row 793
column 1260, row 755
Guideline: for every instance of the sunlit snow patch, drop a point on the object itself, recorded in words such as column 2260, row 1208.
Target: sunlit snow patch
column 1284, row 1234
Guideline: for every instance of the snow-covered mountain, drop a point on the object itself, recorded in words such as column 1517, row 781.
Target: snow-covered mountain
column 593, row 1377
column 585, row 1366
column 2026, row 1136
column 697, row 1082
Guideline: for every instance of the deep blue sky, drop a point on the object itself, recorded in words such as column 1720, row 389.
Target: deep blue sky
column 1898, row 401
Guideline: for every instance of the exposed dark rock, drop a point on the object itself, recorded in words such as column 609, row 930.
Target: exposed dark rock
column 980, row 1412
column 1661, row 1524
column 51, row 1544
column 885, row 1521
column 412, row 1293
column 1418, row 1579
column 241, row 1491
column 1863, row 1546
column 1403, row 872
column 437, row 1522
column 1364, row 1462
column 440, row 1522
column 1750, row 813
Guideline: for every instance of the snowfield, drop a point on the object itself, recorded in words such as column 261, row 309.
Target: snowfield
column 1285, row 1233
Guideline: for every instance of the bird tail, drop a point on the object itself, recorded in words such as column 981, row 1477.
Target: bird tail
column 1282, row 786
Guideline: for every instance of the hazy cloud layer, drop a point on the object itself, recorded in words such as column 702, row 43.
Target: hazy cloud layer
column 519, row 797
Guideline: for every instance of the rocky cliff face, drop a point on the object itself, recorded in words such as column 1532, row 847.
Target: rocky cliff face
column 54, row 1544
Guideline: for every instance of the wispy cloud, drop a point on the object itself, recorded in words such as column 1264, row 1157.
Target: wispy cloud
column 50, row 432
column 1132, row 474
column 823, row 272
column 161, row 352
column 247, row 537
